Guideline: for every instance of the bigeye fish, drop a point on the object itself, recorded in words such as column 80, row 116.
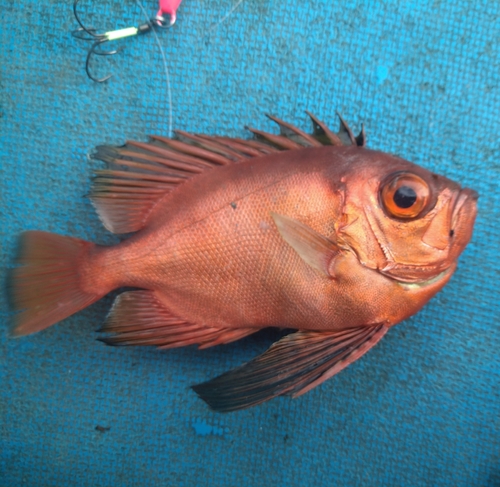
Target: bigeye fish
column 312, row 232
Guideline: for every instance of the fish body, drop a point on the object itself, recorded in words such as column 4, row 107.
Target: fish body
column 213, row 255
column 336, row 241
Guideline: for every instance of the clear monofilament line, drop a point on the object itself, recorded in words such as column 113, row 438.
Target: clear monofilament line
column 165, row 66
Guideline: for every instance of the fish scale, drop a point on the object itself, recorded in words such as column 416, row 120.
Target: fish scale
column 230, row 230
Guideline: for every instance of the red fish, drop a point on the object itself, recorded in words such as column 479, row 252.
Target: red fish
column 310, row 232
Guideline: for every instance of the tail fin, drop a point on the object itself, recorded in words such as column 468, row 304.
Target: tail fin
column 46, row 287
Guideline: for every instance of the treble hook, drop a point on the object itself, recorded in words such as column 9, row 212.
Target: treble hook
column 90, row 34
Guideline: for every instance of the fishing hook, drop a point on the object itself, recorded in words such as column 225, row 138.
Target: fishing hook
column 90, row 34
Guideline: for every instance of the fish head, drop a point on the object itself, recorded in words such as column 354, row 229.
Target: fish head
column 403, row 220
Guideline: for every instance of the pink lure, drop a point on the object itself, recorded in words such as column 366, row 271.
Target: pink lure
column 169, row 7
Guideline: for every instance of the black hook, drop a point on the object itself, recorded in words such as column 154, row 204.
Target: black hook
column 90, row 34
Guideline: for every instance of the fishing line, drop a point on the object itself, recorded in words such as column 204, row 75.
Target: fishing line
column 99, row 39
column 165, row 67
column 234, row 7
column 164, row 58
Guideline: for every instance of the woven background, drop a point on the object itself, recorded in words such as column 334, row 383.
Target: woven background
column 422, row 408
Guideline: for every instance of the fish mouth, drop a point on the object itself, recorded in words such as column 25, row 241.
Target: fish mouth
column 416, row 274
column 421, row 284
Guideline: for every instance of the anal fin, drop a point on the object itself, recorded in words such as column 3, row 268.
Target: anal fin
column 139, row 318
column 291, row 366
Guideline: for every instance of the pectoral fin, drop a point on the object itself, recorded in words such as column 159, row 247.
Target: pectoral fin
column 315, row 249
column 292, row 366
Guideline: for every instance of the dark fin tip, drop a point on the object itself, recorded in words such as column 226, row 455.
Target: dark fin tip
column 215, row 405
column 107, row 341
column 361, row 138
column 345, row 132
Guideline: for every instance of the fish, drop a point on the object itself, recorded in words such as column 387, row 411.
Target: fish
column 310, row 232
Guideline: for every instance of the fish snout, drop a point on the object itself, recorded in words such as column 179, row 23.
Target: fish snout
column 466, row 198
column 471, row 193
column 463, row 218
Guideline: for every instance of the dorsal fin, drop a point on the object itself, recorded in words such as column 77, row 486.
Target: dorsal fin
column 139, row 174
column 291, row 132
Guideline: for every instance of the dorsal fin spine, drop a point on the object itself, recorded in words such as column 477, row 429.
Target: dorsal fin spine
column 168, row 153
column 210, row 144
column 278, row 140
column 136, row 175
column 320, row 129
column 193, row 150
column 289, row 130
column 147, row 167
column 245, row 149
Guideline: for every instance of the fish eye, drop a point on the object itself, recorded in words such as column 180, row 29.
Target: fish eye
column 404, row 195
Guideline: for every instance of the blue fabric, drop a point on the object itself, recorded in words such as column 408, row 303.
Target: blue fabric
column 422, row 408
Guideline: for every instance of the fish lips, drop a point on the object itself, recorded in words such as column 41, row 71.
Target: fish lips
column 415, row 274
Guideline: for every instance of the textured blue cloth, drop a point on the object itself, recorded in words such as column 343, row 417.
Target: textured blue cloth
column 422, row 408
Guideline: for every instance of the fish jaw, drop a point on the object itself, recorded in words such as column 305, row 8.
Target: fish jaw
column 414, row 274
column 429, row 282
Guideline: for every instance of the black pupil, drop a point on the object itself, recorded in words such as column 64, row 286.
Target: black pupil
column 405, row 197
